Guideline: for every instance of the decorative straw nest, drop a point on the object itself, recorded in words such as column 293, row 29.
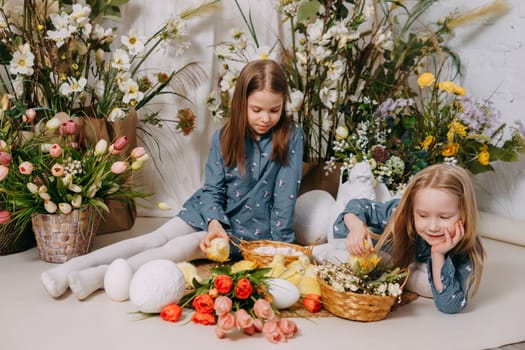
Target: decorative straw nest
column 357, row 306
column 260, row 251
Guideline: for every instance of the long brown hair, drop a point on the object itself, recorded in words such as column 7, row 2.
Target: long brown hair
column 255, row 76
column 400, row 230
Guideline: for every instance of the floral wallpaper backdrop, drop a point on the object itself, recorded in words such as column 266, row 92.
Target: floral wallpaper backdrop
column 491, row 53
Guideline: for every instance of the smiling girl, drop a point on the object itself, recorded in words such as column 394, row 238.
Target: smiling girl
column 434, row 224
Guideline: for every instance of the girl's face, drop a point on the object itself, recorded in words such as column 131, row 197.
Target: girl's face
column 264, row 111
column 435, row 211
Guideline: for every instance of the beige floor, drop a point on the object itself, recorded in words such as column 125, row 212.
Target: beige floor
column 30, row 319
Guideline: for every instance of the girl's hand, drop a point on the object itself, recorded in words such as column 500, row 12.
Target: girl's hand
column 215, row 230
column 452, row 238
column 358, row 235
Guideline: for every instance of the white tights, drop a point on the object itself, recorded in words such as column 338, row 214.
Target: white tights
column 175, row 240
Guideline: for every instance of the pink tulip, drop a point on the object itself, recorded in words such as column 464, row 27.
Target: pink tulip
column 55, row 150
column 5, row 158
column 4, row 171
column 249, row 330
column 57, row 170
column 138, row 152
column 26, row 168
column 219, row 333
column 226, row 322
column 243, row 319
column 120, row 143
column 263, row 309
column 119, row 167
column 287, row 327
column 29, row 115
column 68, row 128
column 258, row 324
column 273, row 333
column 5, row 217
column 222, row 305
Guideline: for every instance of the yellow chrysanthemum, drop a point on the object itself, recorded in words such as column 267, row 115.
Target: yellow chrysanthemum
column 450, row 150
column 426, row 79
column 427, row 142
column 484, row 157
column 456, row 128
column 451, row 88
column 460, row 91
column 447, row 86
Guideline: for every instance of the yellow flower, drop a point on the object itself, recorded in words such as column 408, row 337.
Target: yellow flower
column 456, row 128
column 163, row 206
column 451, row 88
column 460, row 91
column 484, row 157
column 367, row 262
column 450, row 150
column 426, row 79
column 427, row 142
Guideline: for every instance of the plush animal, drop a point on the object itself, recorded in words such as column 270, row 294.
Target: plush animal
column 360, row 184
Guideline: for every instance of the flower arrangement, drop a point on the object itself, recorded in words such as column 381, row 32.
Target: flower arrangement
column 337, row 54
column 60, row 58
column 364, row 275
column 238, row 300
column 54, row 173
column 441, row 124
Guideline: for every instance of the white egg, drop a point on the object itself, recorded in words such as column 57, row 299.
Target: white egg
column 285, row 293
column 117, row 280
column 156, row 284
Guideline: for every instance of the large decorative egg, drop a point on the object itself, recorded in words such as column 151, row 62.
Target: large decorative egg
column 284, row 293
column 313, row 213
column 117, row 279
column 156, row 284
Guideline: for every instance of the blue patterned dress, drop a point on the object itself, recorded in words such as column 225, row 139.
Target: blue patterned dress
column 259, row 205
column 454, row 273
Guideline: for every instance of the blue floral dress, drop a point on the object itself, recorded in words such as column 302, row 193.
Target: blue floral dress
column 454, row 273
column 259, row 205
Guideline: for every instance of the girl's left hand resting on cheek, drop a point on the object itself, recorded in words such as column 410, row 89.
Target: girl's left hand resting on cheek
column 452, row 238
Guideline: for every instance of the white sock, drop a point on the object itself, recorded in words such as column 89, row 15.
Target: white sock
column 83, row 283
column 55, row 280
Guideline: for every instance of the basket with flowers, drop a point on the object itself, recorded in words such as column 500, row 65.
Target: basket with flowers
column 361, row 289
column 55, row 174
column 238, row 301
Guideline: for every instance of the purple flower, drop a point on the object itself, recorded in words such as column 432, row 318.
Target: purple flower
column 481, row 116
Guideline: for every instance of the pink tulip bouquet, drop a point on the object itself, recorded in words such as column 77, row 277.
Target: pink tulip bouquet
column 238, row 302
column 59, row 171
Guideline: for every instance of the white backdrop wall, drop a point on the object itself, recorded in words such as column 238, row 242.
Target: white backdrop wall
column 491, row 52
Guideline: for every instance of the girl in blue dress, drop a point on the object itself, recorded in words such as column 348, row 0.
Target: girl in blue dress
column 433, row 225
column 253, row 175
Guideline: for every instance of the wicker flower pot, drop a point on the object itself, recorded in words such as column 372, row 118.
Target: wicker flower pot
column 61, row 237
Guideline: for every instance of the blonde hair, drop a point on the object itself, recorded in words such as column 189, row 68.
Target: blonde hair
column 400, row 230
column 255, row 76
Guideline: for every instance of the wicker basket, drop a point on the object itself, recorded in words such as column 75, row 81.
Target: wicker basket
column 248, row 252
column 61, row 237
column 12, row 242
column 355, row 306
